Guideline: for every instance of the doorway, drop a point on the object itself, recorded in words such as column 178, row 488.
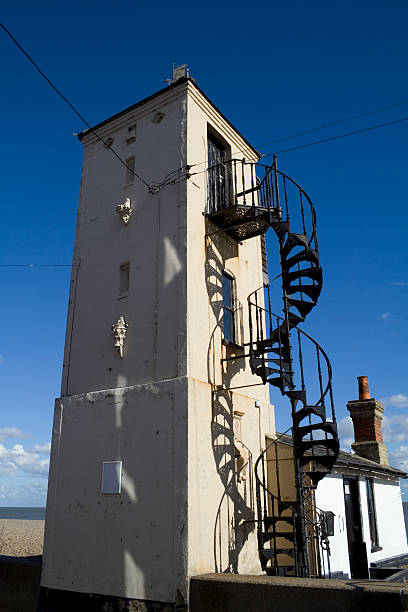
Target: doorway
column 356, row 545
column 216, row 175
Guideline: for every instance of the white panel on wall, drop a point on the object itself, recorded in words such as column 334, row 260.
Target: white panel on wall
column 111, row 476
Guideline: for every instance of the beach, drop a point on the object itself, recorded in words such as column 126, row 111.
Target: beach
column 21, row 538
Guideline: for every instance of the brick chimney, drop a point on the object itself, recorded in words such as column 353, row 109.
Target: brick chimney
column 367, row 414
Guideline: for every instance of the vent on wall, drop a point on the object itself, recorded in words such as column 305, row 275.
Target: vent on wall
column 111, row 477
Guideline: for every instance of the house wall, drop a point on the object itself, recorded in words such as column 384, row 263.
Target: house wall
column 330, row 496
column 390, row 519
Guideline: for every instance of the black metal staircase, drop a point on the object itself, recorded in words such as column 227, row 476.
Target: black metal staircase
column 283, row 355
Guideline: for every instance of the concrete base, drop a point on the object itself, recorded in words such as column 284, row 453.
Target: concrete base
column 241, row 593
column 55, row 600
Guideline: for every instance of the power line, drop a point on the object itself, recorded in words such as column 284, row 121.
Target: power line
column 315, row 142
column 330, row 138
column 333, row 123
column 38, row 265
column 72, row 107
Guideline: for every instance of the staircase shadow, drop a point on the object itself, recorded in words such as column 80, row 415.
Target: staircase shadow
column 236, row 506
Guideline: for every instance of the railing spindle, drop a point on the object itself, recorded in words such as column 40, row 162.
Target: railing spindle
column 243, row 180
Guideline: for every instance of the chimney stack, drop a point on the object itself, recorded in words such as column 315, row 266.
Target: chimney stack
column 367, row 414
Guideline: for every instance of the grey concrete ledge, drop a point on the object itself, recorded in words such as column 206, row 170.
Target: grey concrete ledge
column 236, row 593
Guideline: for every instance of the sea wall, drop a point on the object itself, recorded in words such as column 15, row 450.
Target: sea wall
column 240, row 593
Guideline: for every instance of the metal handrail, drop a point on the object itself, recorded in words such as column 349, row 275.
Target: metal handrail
column 233, row 177
column 320, row 533
column 328, row 387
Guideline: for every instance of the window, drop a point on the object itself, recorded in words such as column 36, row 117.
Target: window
column 130, row 163
column 131, row 135
column 124, row 273
column 216, row 175
column 328, row 522
column 228, row 307
column 372, row 516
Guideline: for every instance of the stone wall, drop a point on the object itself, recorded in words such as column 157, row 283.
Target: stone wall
column 236, row 593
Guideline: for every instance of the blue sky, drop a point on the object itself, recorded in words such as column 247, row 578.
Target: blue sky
column 273, row 71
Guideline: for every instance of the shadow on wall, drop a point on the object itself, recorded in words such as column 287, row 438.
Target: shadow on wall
column 232, row 459
column 132, row 539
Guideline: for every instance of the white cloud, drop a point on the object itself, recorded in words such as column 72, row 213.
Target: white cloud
column 33, row 491
column 43, row 449
column 395, row 428
column 387, row 317
column 11, row 432
column 400, row 284
column 399, row 400
column 346, row 432
column 399, row 457
column 16, row 460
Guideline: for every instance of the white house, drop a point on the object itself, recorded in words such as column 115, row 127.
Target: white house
column 359, row 502
column 363, row 493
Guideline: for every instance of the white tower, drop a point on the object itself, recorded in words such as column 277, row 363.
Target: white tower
column 154, row 435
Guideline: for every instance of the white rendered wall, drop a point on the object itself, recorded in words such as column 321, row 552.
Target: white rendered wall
column 119, row 544
column 330, row 496
column 155, row 409
column 154, row 244
column 219, row 500
column 390, row 519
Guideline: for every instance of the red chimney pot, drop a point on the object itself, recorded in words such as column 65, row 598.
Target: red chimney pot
column 363, row 390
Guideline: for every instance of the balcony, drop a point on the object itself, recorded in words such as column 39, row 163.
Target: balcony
column 243, row 198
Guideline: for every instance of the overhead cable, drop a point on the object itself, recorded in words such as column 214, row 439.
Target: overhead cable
column 151, row 188
column 333, row 123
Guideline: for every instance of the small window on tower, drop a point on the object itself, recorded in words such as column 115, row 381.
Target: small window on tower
column 124, row 271
column 130, row 163
column 228, row 307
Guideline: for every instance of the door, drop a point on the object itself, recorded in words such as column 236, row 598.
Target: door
column 356, row 544
column 216, row 175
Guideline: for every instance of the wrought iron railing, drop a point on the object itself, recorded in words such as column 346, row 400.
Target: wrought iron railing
column 279, row 531
column 239, row 183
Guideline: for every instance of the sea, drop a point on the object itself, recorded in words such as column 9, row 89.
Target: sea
column 26, row 514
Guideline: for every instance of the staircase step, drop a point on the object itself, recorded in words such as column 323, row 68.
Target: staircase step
column 270, row 535
column 294, row 320
column 307, row 254
column 292, row 241
column 283, row 365
column 325, row 426
column 303, row 307
column 281, row 228
column 317, row 475
column 271, row 554
column 306, row 411
column 272, row 520
column 312, row 291
column 314, row 273
column 326, row 456
column 299, row 396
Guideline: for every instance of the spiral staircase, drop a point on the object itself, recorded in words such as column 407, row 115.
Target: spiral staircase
column 245, row 200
